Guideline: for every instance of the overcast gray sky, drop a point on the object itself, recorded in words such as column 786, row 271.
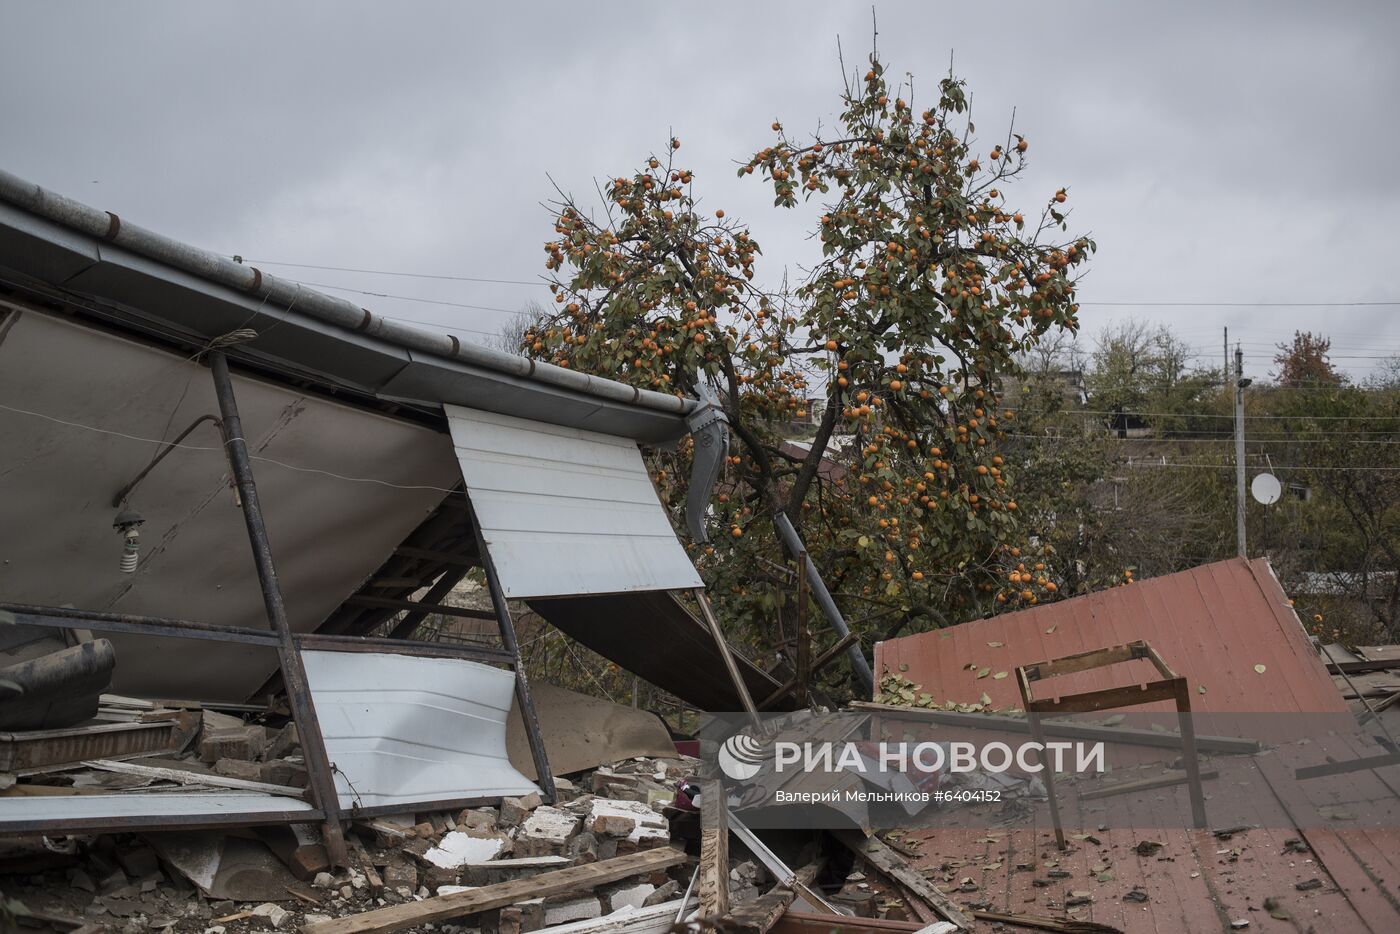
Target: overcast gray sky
column 1239, row 152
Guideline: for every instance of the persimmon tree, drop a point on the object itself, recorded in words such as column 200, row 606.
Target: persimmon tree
column 926, row 283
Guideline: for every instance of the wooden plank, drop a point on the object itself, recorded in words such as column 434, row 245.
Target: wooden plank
column 891, row 864
column 1045, row 923
column 473, row 901
column 1365, row 665
column 760, row 914
column 1348, row 765
column 1132, row 695
column 1232, row 745
column 780, row 870
column 821, row 661
column 387, row 604
column 802, row 922
column 1083, row 661
column 713, row 884
column 430, row 554
column 1165, row 780
column 181, row 777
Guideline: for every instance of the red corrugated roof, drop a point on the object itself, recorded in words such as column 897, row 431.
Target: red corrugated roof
column 1212, row 624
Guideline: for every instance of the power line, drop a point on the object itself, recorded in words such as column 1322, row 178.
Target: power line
column 1220, row 440
column 405, row 275
column 411, row 298
column 1167, row 304
column 1118, row 304
column 196, row 447
column 1330, row 418
column 1200, row 464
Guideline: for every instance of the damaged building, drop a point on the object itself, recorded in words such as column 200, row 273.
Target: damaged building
column 231, row 502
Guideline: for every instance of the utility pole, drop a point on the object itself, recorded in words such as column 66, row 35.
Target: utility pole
column 1240, row 384
column 1225, row 370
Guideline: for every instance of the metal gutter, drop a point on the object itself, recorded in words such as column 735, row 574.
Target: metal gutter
column 249, row 280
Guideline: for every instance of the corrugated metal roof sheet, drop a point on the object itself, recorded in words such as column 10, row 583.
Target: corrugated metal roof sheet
column 1212, row 624
column 404, row 730
column 566, row 511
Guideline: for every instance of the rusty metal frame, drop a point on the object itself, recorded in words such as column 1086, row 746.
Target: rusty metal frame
column 1168, row 687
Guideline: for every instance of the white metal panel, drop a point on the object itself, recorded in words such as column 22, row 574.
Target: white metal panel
column 405, row 730
column 138, row 806
column 566, row 511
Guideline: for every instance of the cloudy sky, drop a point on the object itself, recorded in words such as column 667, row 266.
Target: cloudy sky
column 1219, row 153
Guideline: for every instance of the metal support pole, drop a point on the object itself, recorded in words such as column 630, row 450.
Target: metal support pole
column 313, row 745
column 717, row 634
column 1190, row 760
column 1047, row 772
column 531, row 720
column 793, row 542
column 1240, row 548
column 803, row 661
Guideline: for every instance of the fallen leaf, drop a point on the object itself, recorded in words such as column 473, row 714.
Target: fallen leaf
column 995, row 645
column 998, row 676
column 983, row 672
column 1200, row 689
column 1051, row 629
column 1260, row 668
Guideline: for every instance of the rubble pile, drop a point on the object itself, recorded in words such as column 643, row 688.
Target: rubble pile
column 221, row 882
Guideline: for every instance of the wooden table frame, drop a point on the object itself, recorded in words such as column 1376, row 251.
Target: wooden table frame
column 1170, row 686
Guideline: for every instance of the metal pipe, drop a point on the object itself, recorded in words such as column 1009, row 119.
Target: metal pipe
column 318, row 764
column 727, row 656
column 543, row 774
column 66, row 618
column 794, row 545
column 252, row 281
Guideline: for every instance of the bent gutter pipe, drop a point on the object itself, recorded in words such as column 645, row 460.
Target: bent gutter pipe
column 108, row 227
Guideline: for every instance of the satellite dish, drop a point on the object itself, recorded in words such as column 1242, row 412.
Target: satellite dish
column 1266, row 489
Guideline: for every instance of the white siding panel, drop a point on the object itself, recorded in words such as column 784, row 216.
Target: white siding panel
column 566, row 511
column 404, row 730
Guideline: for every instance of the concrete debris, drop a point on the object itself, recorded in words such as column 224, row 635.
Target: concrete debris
column 278, row 878
column 557, row 862
column 458, row 849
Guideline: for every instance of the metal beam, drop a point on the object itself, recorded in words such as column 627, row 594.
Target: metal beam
column 66, row 618
column 318, row 765
column 528, row 716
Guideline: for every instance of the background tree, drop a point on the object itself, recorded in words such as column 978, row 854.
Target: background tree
column 1139, row 370
column 1304, row 362
column 511, row 337
column 927, row 285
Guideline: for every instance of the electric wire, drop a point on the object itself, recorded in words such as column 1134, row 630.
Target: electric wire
column 195, row 447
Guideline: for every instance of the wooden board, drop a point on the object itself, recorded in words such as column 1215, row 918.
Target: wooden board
column 458, row 904
column 891, row 864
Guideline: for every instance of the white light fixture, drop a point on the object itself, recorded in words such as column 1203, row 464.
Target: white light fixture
column 126, row 523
